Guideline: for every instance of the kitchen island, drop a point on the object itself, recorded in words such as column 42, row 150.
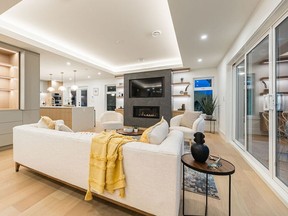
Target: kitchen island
column 77, row 118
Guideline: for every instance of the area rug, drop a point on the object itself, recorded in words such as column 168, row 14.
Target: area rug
column 196, row 182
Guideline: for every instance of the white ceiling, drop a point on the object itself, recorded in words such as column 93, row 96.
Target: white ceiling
column 113, row 36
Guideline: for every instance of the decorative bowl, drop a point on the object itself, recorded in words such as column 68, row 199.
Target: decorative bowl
column 128, row 129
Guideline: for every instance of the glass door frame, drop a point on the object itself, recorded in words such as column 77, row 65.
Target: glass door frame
column 234, row 80
column 274, row 77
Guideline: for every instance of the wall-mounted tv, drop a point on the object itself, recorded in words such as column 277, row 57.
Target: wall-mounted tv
column 146, row 87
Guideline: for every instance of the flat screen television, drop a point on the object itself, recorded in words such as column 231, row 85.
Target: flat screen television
column 146, row 87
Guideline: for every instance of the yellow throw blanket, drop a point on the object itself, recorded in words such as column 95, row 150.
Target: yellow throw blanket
column 106, row 168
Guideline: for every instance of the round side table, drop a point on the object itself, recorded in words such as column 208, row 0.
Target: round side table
column 227, row 168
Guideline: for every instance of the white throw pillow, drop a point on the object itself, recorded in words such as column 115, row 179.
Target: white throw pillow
column 188, row 118
column 63, row 127
column 159, row 133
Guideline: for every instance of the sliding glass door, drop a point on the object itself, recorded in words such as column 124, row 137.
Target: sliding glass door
column 261, row 103
column 281, row 116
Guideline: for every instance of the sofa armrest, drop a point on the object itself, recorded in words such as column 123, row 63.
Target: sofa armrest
column 175, row 121
column 143, row 162
column 199, row 125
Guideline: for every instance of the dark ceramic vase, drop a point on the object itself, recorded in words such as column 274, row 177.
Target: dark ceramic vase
column 199, row 150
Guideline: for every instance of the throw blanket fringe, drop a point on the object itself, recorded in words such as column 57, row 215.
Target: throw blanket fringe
column 106, row 164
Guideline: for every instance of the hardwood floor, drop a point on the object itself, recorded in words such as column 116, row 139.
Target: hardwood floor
column 27, row 193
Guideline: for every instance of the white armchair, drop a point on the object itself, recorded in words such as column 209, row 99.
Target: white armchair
column 111, row 120
column 198, row 126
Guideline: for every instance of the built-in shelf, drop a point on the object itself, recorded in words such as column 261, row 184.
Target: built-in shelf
column 5, row 64
column 6, row 77
column 180, row 95
column 120, row 86
column 181, row 83
column 9, row 79
column 120, row 97
column 5, row 89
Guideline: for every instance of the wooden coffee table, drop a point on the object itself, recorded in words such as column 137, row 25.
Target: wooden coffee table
column 139, row 133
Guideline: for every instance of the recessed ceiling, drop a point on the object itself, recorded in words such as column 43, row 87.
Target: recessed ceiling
column 113, row 36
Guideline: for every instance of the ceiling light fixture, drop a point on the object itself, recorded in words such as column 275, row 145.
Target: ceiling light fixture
column 156, row 33
column 74, row 87
column 204, row 37
column 50, row 89
column 199, row 60
column 88, row 77
column 99, row 73
column 68, row 63
column 62, row 87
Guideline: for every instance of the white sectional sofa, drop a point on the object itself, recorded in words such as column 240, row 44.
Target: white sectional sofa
column 153, row 172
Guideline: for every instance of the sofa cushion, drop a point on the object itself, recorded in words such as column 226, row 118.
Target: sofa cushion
column 188, row 118
column 62, row 127
column 46, row 122
column 156, row 133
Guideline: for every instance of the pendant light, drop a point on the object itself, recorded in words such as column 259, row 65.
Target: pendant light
column 50, row 89
column 62, row 87
column 74, row 87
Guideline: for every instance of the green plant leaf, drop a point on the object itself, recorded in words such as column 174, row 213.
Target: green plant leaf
column 209, row 105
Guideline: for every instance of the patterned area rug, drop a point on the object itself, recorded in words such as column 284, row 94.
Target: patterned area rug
column 196, row 182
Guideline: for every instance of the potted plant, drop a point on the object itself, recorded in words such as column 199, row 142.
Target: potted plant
column 135, row 128
column 209, row 104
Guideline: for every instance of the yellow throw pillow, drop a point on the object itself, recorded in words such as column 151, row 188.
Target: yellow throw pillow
column 145, row 136
column 46, row 121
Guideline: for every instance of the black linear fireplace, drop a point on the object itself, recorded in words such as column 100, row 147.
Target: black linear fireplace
column 146, row 111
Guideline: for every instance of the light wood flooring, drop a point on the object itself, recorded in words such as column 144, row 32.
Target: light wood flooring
column 27, row 193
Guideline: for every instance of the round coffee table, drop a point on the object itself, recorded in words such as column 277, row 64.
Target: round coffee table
column 139, row 133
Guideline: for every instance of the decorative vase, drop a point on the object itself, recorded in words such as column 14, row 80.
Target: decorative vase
column 135, row 130
column 199, row 150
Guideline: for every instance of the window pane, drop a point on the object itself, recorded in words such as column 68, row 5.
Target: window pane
column 199, row 96
column 200, row 83
column 258, row 118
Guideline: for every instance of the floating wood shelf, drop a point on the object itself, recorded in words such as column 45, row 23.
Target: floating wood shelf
column 181, row 83
column 279, row 77
column 180, row 95
column 284, row 93
column 120, row 86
